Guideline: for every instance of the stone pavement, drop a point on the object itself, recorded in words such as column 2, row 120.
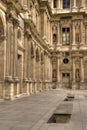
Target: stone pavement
column 33, row 113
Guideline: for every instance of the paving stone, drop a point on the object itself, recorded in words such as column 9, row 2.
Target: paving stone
column 33, row 113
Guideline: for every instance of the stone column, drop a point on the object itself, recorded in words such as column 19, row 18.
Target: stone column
column 31, row 69
column 9, row 55
column 15, row 59
column 38, row 73
column 29, row 56
column 82, row 69
column 45, row 25
column 73, row 28
column 10, row 59
column 34, row 73
column 58, row 70
column 52, row 3
column 45, row 60
column 74, row 3
column 25, row 56
column 26, row 63
column 49, row 30
column 45, row 70
column 59, row 35
column 83, row 3
column 42, row 72
column 37, row 65
column 51, row 37
column 59, row 2
column 73, row 69
column 85, row 6
column 86, row 34
column 15, row 47
column 82, row 33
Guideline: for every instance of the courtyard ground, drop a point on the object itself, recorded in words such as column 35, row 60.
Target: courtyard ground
column 33, row 112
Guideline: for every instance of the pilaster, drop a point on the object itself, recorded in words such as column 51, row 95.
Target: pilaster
column 74, row 36
column 82, row 69
column 58, row 70
column 10, row 47
column 15, row 26
column 74, row 69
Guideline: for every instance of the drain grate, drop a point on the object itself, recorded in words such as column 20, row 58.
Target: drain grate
column 59, row 118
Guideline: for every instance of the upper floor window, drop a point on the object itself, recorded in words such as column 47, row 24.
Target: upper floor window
column 65, row 54
column 55, row 4
column 65, row 36
column 66, row 4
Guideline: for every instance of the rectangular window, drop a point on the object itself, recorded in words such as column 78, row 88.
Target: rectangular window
column 65, row 36
column 66, row 4
column 55, row 4
column 65, row 54
column 65, row 75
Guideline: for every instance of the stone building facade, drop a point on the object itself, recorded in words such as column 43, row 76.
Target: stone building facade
column 43, row 44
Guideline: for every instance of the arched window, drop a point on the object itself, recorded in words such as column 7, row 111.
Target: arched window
column 55, row 4
column 66, row 4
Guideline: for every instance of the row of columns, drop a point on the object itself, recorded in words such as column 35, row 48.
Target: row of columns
column 35, row 73
column 38, row 65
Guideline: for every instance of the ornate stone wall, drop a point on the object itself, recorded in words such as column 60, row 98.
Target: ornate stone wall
column 42, row 46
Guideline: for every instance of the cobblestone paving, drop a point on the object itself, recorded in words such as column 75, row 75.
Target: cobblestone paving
column 33, row 112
